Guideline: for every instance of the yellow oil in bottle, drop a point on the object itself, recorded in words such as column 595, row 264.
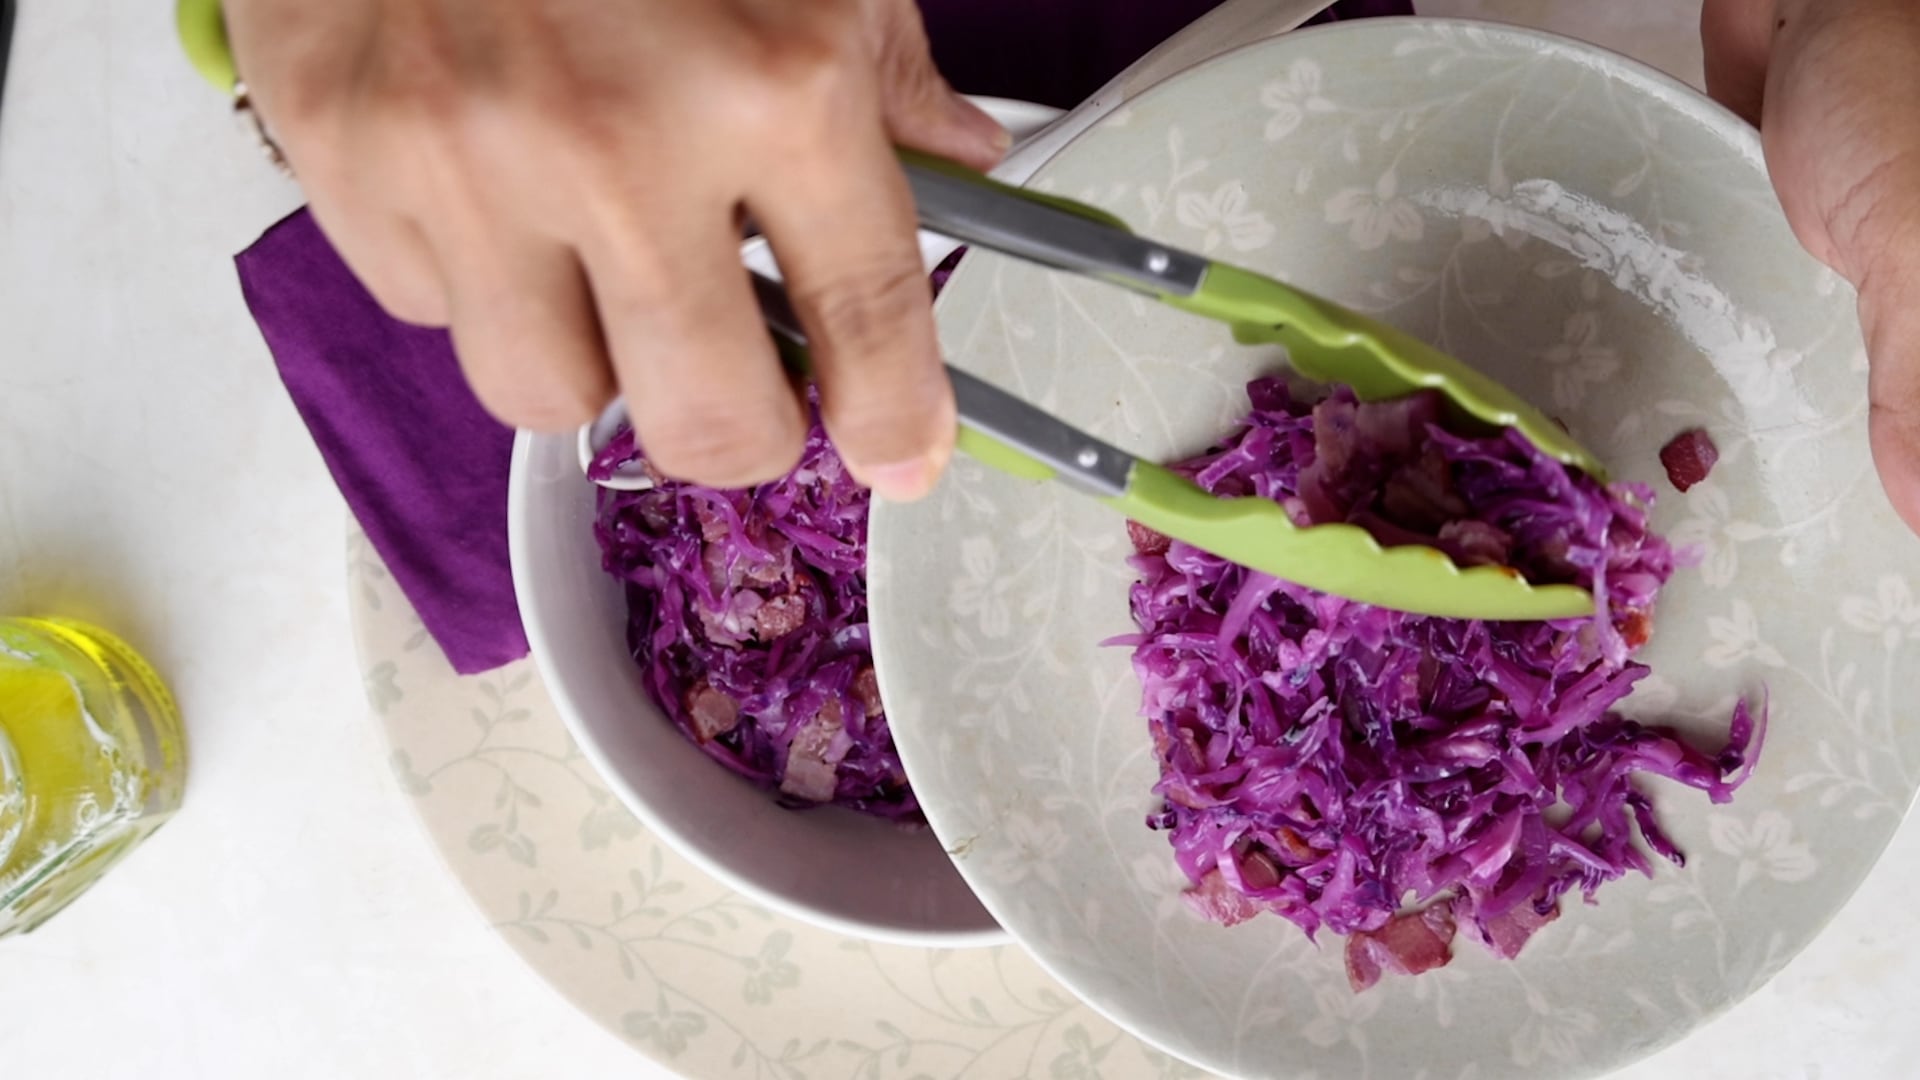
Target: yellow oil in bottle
column 92, row 761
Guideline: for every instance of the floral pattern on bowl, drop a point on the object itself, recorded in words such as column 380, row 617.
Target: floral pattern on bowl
column 1606, row 243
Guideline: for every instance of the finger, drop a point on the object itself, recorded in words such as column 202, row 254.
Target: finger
column 1843, row 146
column 526, row 333
column 1890, row 318
column 843, row 228
column 922, row 111
column 707, row 395
column 1736, row 37
column 1841, row 137
column 390, row 256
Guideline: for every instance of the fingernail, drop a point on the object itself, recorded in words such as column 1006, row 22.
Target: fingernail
column 902, row 481
column 982, row 125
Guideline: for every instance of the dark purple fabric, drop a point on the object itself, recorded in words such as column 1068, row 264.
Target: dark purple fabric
column 422, row 465
column 1057, row 52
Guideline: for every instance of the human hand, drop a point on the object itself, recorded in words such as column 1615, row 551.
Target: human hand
column 1835, row 88
column 563, row 183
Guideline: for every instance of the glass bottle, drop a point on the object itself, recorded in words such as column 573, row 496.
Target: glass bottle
column 92, row 761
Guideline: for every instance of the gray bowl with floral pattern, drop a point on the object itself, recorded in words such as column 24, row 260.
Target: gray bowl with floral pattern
column 1604, row 241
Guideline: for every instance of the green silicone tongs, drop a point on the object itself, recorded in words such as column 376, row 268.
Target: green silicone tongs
column 1324, row 342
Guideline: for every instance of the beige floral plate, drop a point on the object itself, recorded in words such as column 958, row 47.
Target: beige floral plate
column 692, row 975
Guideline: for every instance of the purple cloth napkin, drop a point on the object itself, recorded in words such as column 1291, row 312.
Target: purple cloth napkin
column 422, row 465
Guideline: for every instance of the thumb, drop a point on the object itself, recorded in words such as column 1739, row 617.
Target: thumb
column 921, row 110
column 1843, row 144
column 1735, row 37
column 1890, row 318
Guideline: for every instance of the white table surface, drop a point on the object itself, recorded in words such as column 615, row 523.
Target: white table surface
column 294, row 920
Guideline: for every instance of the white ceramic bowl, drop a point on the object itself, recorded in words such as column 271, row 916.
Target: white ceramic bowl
column 830, row 867
column 1601, row 239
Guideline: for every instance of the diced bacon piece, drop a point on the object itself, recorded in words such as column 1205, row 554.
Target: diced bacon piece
column 729, row 569
column 1395, row 427
column 723, row 570
column 1295, row 847
column 1689, row 457
column 733, row 624
column 1476, row 543
column 1316, row 501
column 1146, row 541
column 776, row 568
column 1259, row 871
column 1507, row 933
column 1637, row 629
column 1335, row 440
column 656, row 509
column 713, row 526
column 779, row 617
column 744, row 613
column 1421, row 493
column 815, row 754
column 1217, row 901
column 866, row 689
column 712, row 711
column 1405, row 945
column 1162, row 739
column 1363, row 962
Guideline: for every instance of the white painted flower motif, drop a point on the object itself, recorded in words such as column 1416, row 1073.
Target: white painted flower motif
column 770, row 970
column 1890, row 612
column 1341, row 1017
column 665, row 1027
column 983, row 591
column 1579, row 360
column 1715, row 534
column 1499, row 218
column 1375, row 215
column 1158, row 877
column 1436, row 987
column 1736, row 637
column 1224, row 216
column 1029, row 845
column 1292, row 99
column 1552, row 1033
column 381, row 690
column 1766, row 846
column 1653, row 696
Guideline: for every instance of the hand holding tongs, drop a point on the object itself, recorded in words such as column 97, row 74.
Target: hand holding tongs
column 1324, row 342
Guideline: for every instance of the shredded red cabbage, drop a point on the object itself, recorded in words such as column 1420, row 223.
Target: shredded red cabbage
column 747, row 610
column 1340, row 765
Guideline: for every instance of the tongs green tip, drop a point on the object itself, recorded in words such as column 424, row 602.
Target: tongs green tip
column 1344, row 560
column 1324, row 342
column 1329, row 343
